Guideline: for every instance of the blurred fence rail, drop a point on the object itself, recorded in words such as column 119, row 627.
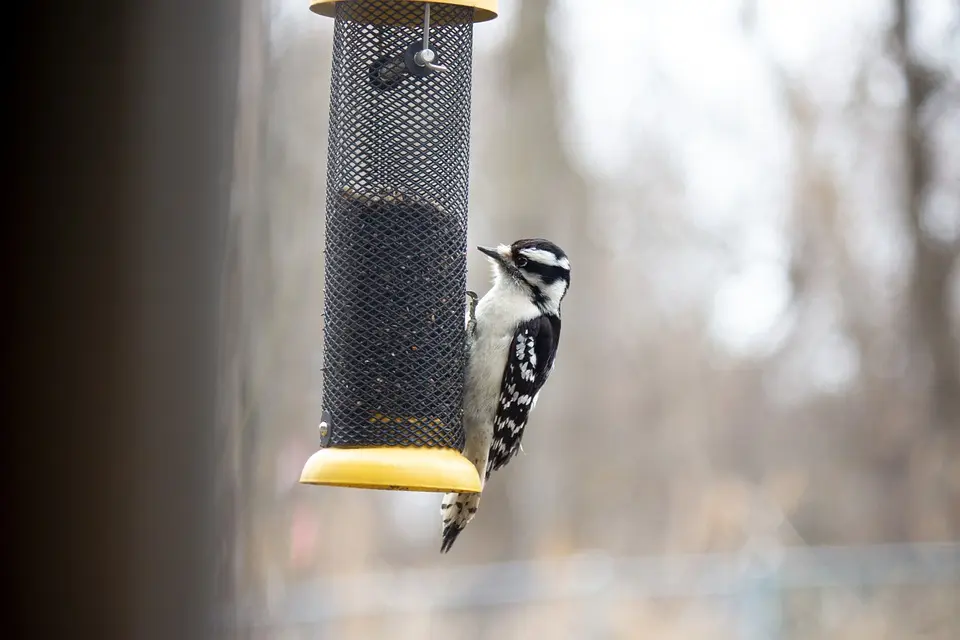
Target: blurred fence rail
column 752, row 583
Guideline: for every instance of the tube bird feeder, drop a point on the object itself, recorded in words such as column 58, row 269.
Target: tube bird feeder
column 396, row 243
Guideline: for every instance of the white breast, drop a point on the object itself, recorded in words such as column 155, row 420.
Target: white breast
column 499, row 313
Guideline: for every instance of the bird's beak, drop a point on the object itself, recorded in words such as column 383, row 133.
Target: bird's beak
column 492, row 252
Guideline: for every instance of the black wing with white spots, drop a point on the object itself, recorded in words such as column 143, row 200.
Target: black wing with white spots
column 529, row 364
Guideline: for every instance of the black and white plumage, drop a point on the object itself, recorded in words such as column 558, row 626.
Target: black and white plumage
column 512, row 345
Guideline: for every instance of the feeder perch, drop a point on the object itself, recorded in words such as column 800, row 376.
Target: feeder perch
column 396, row 243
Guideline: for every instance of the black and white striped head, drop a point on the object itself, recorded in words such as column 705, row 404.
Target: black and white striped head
column 537, row 266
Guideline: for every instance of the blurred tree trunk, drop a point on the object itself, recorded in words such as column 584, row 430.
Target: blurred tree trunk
column 929, row 293
column 237, row 424
column 933, row 498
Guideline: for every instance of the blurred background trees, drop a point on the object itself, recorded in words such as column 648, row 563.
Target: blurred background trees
column 761, row 201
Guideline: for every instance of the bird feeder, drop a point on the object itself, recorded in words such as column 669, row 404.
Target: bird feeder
column 396, row 243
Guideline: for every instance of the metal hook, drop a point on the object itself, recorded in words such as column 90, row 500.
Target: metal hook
column 426, row 56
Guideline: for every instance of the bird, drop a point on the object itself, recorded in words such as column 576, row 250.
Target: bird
column 512, row 337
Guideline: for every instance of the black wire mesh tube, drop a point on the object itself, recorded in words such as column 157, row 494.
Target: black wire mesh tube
column 396, row 227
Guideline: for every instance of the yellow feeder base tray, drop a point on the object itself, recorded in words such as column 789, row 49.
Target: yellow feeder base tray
column 393, row 468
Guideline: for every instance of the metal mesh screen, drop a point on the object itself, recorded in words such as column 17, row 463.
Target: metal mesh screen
column 396, row 227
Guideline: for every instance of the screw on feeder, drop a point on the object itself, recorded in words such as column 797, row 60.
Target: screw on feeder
column 426, row 56
column 416, row 59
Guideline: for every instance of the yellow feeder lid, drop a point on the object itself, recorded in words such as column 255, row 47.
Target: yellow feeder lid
column 483, row 10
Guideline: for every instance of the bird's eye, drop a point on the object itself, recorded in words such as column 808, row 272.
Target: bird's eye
column 522, row 262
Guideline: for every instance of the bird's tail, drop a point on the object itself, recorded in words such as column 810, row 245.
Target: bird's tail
column 457, row 511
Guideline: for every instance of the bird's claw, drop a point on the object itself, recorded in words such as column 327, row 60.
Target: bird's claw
column 472, row 299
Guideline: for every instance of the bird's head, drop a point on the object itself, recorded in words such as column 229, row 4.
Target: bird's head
column 537, row 266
